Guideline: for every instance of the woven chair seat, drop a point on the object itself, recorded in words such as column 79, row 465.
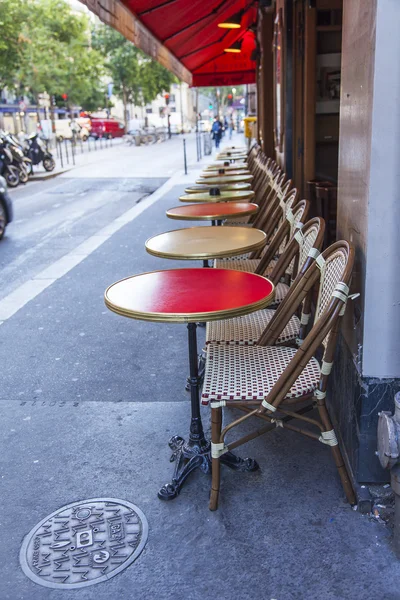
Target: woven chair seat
column 246, row 330
column 240, row 257
column 243, row 264
column 248, row 373
column 237, row 223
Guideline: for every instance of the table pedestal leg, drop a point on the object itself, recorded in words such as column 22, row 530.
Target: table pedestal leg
column 195, row 453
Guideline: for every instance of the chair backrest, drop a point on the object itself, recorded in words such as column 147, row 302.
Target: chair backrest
column 307, row 245
column 295, row 217
column 259, row 168
column 274, row 216
column 333, row 271
column 264, row 185
column 276, row 197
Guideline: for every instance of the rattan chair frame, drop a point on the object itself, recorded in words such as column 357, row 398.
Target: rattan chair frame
column 265, row 189
column 325, row 328
column 290, row 304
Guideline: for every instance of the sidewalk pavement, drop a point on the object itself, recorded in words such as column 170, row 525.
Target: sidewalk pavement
column 89, row 401
column 83, row 157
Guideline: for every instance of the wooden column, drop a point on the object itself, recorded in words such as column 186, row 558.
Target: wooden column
column 310, row 44
column 265, row 82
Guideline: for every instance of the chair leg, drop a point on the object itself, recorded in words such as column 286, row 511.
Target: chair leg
column 216, row 425
column 337, row 455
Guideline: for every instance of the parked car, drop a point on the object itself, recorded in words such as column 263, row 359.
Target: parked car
column 107, row 128
column 6, row 209
column 65, row 128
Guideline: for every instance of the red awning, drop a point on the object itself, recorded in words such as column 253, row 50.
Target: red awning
column 187, row 30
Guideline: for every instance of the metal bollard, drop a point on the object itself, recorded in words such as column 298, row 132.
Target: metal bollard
column 66, row 150
column 184, row 155
column 61, row 156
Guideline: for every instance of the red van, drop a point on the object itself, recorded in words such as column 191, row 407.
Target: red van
column 108, row 128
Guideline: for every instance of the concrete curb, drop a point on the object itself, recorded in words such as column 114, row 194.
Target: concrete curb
column 50, row 175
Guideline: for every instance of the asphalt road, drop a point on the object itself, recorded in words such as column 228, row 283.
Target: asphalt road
column 53, row 217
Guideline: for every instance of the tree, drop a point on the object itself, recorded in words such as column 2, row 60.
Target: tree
column 57, row 54
column 137, row 78
column 12, row 43
column 219, row 95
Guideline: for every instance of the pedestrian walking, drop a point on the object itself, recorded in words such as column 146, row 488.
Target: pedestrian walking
column 231, row 127
column 217, row 131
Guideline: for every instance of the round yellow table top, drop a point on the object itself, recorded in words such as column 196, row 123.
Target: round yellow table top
column 225, row 196
column 230, row 167
column 212, row 211
column 196, row 189
column 240, row 172
column 224, row 179
column 232, row 156
column 200, row 243
column 239, row 160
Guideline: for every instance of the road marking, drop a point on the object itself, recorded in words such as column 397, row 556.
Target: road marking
column 29, row 290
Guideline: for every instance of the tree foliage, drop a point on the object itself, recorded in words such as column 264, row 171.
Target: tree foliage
column 45, row 47
column 12, row 43
column 57, row 56
column 137, row 78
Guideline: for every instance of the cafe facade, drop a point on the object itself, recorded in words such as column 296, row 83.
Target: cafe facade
column 328, row 93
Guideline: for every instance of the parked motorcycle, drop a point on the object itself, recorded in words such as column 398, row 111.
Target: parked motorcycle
column 37, row 152
column 6, row 208
column 22, row 162
column 7, row 169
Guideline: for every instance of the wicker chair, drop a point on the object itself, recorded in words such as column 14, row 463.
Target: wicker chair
column 246, row 330
column 278, row 230
column 265, row 380
column 272, row 187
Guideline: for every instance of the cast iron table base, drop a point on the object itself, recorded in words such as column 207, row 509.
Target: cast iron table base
column 196, row 452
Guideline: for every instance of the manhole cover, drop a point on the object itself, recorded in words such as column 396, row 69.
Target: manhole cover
column 84, row 543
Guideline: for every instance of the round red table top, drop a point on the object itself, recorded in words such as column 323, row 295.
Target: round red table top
column 189, row 295
column 231, row 167
column 210, row 212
